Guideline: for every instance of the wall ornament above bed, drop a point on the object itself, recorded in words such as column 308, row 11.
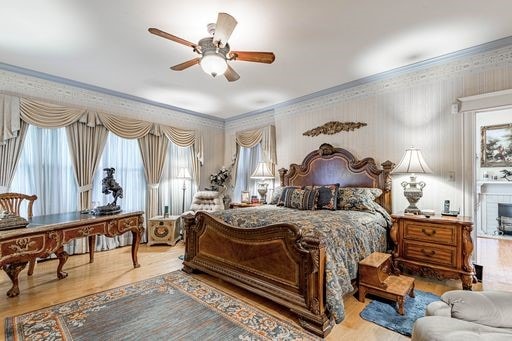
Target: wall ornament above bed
column 334, row 127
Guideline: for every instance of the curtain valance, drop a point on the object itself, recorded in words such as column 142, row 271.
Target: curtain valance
column 266, row 136
column 49, row 115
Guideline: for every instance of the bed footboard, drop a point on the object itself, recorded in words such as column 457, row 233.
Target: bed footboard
column 273, row 261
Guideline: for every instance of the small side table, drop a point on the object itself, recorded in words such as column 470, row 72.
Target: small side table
column 164, row 230
column 375, row 278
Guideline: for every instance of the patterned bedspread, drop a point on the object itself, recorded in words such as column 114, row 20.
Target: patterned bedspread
column 349, row 237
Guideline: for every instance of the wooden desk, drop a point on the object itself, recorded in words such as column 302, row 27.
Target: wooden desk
column 48, row 234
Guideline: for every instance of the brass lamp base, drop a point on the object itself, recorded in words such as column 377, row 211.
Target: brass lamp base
column 413, row 191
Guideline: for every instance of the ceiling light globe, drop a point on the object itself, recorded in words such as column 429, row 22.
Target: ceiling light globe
column 214, row 64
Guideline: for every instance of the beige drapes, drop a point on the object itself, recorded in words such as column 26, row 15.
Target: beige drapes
column 86, row 146
column 48, row 115
column 9, row 156
column 266, row 136
column 153, row 150
column 9, row 117
column 249, row 138
column 125, row 127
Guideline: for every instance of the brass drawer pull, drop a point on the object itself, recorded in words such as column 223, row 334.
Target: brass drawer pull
column 430, row 234
column 428, row 253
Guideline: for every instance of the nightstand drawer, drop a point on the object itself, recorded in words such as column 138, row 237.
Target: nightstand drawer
column 430, row 253
column 440, row 234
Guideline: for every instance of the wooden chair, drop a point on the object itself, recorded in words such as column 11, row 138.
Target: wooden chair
column 12, row 203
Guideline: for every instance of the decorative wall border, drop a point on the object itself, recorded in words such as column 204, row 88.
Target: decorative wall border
column 474, row 63
column 24, row 85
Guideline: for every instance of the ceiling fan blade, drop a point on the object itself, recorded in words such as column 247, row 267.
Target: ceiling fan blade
column 169, row 36
column 187, row 64
column 231, row 74
column 259, row 57
column 223, row 29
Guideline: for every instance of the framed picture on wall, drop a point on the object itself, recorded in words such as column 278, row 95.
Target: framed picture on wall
column 496, row 146
column 246, row 197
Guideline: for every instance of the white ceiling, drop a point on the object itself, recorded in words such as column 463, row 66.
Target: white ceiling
column 317, row 44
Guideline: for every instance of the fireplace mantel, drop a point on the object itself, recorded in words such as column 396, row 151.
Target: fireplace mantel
column 487, row 186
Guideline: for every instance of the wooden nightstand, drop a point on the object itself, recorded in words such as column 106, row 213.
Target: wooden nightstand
column 438, row 247
column 164, row 230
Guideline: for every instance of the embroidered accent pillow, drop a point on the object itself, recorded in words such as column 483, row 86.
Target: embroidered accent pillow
column 358, row 198
column 301, row 199
column 327, row 196
column 285, row 190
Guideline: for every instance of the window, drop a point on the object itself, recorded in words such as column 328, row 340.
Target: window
column 124, row 156
column 248, row 159
column 171, row 187
column 45, row 169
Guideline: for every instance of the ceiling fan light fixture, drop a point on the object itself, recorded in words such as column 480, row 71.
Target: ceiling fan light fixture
column 214, row 64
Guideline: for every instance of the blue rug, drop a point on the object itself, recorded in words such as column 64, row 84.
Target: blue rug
column 174, row 306
column 383, row 312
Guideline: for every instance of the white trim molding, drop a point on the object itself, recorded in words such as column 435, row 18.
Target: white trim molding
column 485, row 101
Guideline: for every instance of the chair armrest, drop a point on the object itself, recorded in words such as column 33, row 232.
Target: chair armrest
column 490, row 308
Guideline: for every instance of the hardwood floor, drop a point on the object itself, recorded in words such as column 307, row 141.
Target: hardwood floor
column 114, row 268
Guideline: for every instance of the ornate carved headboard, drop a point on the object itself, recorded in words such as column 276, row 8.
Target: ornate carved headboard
column 329, row 165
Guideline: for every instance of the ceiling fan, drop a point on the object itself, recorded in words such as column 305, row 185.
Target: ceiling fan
column 215, row 51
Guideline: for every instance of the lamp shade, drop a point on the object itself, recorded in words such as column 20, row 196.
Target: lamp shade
column 262, row 172
column 184, row 173
column 412, row 162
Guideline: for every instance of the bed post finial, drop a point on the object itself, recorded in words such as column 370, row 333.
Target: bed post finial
column 387, row 166
column 282, row 173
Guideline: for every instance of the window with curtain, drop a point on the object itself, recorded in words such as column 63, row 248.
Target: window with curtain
column 170, row 192
column 45, row 169
column 248, row 159
column 123, row 155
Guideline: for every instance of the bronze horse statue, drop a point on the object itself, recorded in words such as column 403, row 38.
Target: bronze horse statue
column 109, row 184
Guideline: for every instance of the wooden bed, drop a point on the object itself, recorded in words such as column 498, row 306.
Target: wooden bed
column 247, row 257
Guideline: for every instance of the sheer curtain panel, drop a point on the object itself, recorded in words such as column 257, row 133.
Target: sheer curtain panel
column 247, row 161
column 171, row 187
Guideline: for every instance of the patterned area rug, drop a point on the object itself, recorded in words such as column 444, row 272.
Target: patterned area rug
column 174, row 306
column 383, row 312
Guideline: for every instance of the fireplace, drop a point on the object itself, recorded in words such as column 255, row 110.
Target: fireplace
column 505, row 218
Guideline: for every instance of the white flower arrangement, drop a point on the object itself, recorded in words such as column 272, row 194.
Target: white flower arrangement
column 220, row 178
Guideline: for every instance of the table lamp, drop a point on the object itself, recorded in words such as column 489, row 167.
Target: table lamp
column 183, row 174
column 262, row 172
column 412, row 163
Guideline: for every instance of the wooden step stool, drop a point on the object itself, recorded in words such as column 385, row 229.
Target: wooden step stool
column 375, row 278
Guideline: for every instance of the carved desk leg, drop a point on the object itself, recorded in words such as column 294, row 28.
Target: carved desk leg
column 13, row 271
column 63, row 257
column 137, row 235
column 92, row 247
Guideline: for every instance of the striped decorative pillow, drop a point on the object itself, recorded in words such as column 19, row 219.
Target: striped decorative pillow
column 301, row 199
column 285, row 190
